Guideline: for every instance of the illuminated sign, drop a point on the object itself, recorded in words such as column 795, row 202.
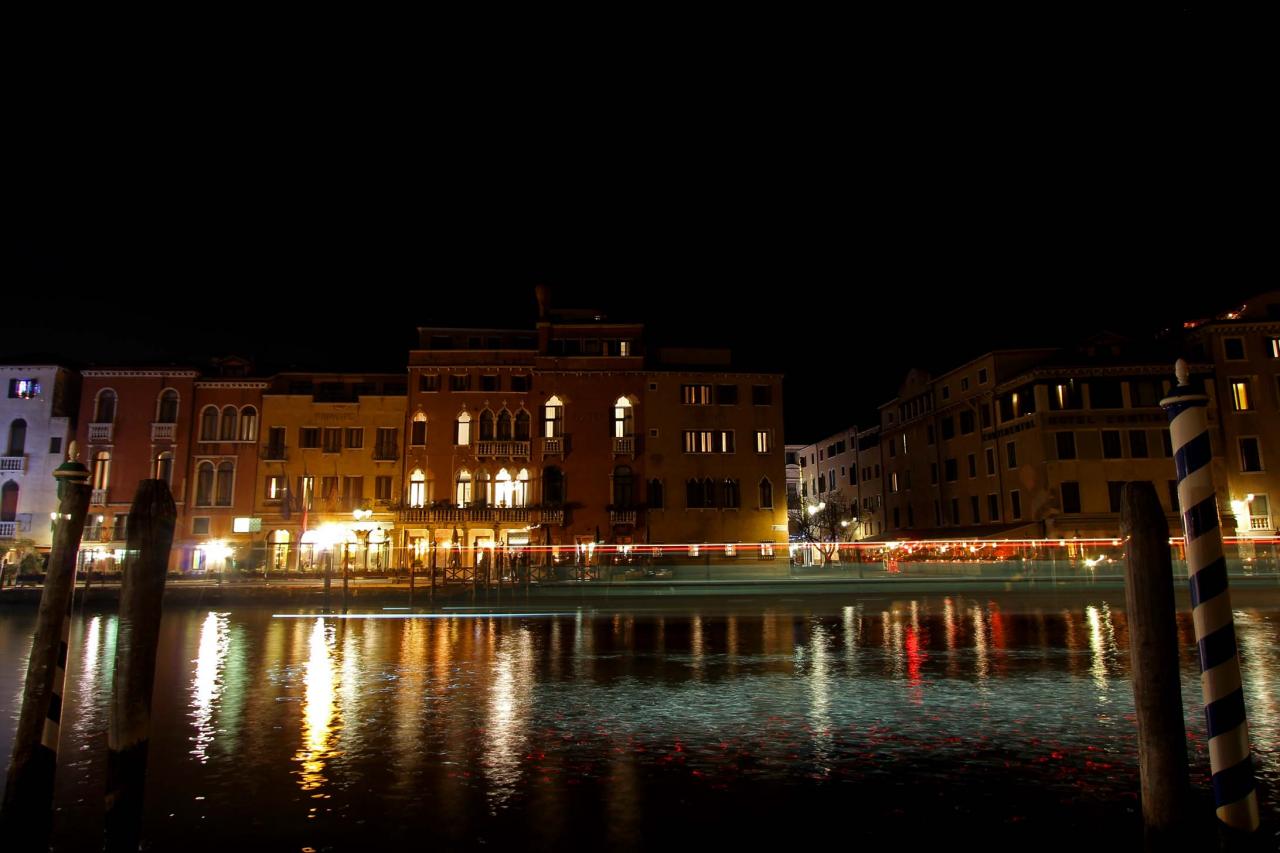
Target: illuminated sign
column 246, row 525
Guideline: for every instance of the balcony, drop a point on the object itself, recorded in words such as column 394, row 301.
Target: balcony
column 553, row 446
column 624, row 445
column 101, row 432
column 13, row 463
column 502, row 449
column 98, row 497
column 164, row 432
column 8, row 529
column 554, row 515
column 273, row 453
column 465, row 515
column 386, row 454
column 1259, row 522
column 622, row 516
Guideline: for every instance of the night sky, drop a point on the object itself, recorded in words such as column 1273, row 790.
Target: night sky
column 924, row 215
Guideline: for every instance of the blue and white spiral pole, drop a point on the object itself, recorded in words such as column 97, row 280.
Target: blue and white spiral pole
column 1230, row 759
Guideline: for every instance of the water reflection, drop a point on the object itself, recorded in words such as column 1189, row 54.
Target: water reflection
column 1098, row 667
column 820, row 698
column 509, row 699
column 319, row 711
column 207, row 683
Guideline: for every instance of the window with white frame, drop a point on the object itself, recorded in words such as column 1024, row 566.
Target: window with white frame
column 553, row 418
column 462, row 430
column 623, row 419
column 417, row 488
column 764, row 441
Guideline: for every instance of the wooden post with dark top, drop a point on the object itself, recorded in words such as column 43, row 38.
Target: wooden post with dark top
column 26, row 815
column 151, row 522
column 1153, row 661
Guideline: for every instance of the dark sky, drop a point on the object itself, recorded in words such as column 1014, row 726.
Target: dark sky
column 843, row 227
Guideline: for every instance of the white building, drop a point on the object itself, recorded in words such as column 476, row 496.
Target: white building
column 37, row 415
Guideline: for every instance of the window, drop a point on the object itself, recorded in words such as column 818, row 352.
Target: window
column 522, row 425
column 1067, row 444
column 553, row 490
column 1138, row 443
column 1064, row 396
column 101, row 469
column 164, row 467
column 309, row 437
column 1241, row 393
column 462, row 430
column 762, row 395
column 948, row 428
column 504, row 425
column 332, row 440
column 382, row 488
column 553, row 418
column 167, row 407
column 766, row 494
column 105, row 409
column 991, row 461
column 352, row 492
column 306, row 492
column 623, row 418
column 209, row 424
column 727, row 395
column 985, row 411
column 993, row 507
column 949, row 467
column 946, row 392
column 462, row 488
column 966, row 422
column 1105, row 394
column 429, row 382
column 18, row 437
column 226, row 477
column 893, row 482
column 355, row 438
column 329, row 490
column 275, row 443
column 200, row 526
column 248, row 424
column 489, row 382
column 982, row 376
column 732, row 496
column 1273, row 347
column 764, row 441
column 275, row 488
column 973, row 509
column 228, row 430
column 1111, row 447
column 1011, row 450
column 1015, row 503
column 520, row 382
column 55, row 444
column 695, row 395
column 724, row 442
column 1114, row 489
column 1250, row 455
column 486, row 425
column 1070, row 497
column 697, row 441
column 23, row 389
column 655, row 494
column 1145, row 393
column 973, row 465
column 204, row 484
column 460, row 382
column 1234, row 348
column 964, row 383
column 387, row 441
column 418, row 430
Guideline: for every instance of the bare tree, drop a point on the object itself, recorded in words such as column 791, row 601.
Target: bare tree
column 823, row 524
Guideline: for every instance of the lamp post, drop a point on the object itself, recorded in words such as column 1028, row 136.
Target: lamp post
column 361, row 528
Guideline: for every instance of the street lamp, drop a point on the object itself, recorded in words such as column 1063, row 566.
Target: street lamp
column 362, row 529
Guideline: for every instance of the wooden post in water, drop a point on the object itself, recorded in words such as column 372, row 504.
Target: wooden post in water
column 25, row 817
column 151, row 522
column 1153, row 657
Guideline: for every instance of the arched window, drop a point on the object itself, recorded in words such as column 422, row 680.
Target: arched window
column 17, row 437
column 204, row 484
column 504, row 425
column 622, row 487
column 228, row 424
column 766, row 494
column 655, row 494
column 226, row 476
column 623, row 419
column 552, row 486
column 486, row 425
column 553, row 418
column 248, row 424
column 209, row 423
column 462, row 430
column 167, row 407
column 164, row 467
column 522, row 425
column 102, row 469
column 104, row 411
column 520, row 490
column 503, row 489
column 709, row 493
column 693, row 494
column 418, row 430
column 731, row 494
column 417, row 488
column 9, row 502
column 484, row 489
column 462, row 492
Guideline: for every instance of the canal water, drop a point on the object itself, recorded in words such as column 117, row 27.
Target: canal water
column 993, row 720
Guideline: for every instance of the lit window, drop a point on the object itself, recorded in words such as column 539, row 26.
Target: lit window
column 1240, row 395
column 462, row 434
column 623, row 418
column 417, row 489
column 764, row 441
column 553, row 418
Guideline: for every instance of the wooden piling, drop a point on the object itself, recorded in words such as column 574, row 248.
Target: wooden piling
column 1153, row 657
column 151, row 523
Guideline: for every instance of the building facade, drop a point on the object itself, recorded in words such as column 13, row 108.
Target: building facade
column 37, row 415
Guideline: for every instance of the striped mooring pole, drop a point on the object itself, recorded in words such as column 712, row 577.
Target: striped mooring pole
column 1230, row 759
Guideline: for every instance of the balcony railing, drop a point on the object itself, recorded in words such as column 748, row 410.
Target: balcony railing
column 100, row 432
column 274, row 453
column 551, row 516
column 163, row 432
column 503, row 449
column 8, row 529
column 13, row 463
column 553, row 446
column 622, row 516
column 624, row 445
column 386, row 454
column 466, row 514
column 98, row 497
column 1260, row 522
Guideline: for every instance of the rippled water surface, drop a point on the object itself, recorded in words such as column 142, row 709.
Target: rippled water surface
column 621, row 728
